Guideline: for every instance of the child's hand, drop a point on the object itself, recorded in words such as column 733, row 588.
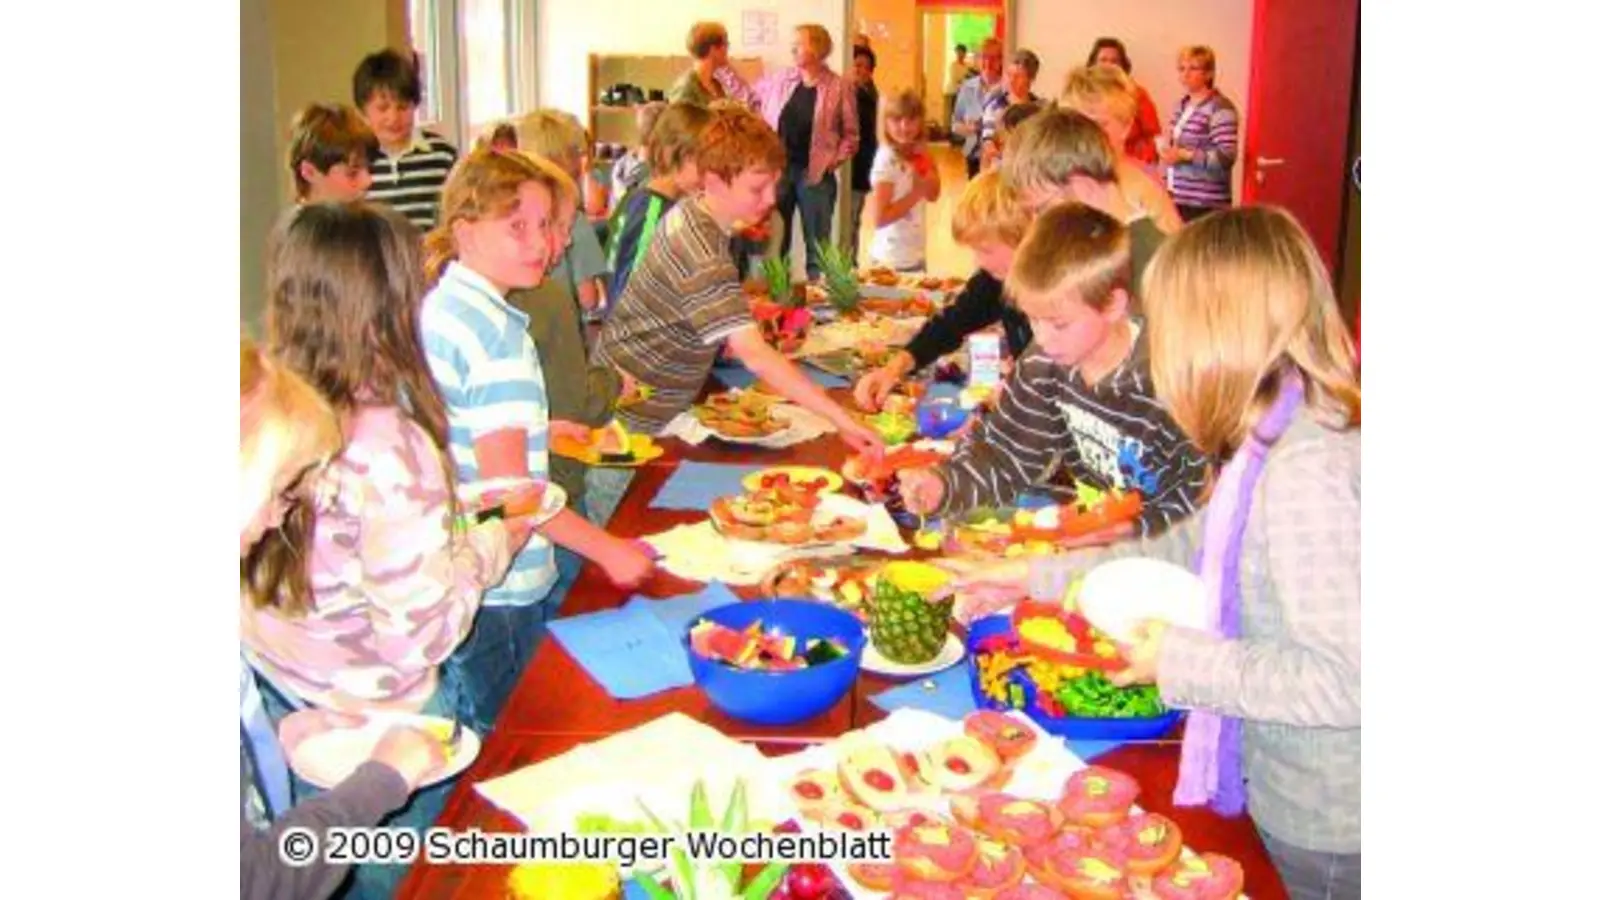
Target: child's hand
column 626, row 563
column 874, row 388
column 412, row 752
column 921, row 490
column 860, row 438
column 571, row 431
column 1142, row 654
column 630, row 388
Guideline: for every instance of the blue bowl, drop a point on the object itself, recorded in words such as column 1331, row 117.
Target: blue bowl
column 781, row 698
column 1071, row 727
column 940, row 417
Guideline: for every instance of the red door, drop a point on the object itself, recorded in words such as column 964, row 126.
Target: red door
column 1296, row 142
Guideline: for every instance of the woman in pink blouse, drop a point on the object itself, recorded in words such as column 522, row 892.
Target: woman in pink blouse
column 354, row 603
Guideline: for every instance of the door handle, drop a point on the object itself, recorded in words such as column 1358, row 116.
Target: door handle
column 1267, row 162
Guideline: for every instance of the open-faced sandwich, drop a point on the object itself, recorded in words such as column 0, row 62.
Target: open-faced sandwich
column 739, row 414
column 782, row 517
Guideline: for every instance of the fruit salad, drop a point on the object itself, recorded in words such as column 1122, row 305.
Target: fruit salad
column 755, row 649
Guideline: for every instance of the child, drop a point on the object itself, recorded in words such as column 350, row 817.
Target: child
column 1010, row 121
column 633, row 168
column 286, row 432
column 558, row 137
column 496, row 215
column 685, row 298
column 904, row 180
column 1106, row 95
column 989, row 219
column 331, row 149
column 1061, row 154
column 411, row 165
column 1080, row 398
column 671, row 149
column 1250, row 354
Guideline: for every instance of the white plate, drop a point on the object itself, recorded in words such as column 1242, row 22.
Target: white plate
column 325, row 758
column 553, row 501
column 1117, row 594
column 775, row 439
column 954, row 651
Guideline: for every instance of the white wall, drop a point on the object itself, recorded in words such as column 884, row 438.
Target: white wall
column 1062, row 31
column 569, row 30
column 261, row 187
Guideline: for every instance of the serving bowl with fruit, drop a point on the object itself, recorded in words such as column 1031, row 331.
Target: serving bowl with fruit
column 783, row 692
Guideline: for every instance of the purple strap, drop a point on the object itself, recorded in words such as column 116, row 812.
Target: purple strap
column 1211, row 769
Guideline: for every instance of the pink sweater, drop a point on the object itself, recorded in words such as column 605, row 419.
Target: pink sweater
column 394, row 591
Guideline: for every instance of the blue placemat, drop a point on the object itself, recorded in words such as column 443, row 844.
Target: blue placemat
column 951, row 697
column 824, row 379
column 628, row 651
column 695, row 484
column 737, row 376
column 675, row 613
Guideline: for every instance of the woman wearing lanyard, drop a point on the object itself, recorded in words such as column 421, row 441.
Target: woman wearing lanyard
column 1204, row 141
column 814, row 111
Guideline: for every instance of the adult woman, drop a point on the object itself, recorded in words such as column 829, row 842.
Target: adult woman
column 1146, row 124
column 1106, row 95
column 708, row 44
column 813, row 111
column 1018, row 88
column 1204, row 139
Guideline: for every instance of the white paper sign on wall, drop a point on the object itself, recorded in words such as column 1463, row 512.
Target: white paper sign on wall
column 760, row 28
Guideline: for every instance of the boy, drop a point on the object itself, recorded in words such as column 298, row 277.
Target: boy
column 557, row 136
column 990, row 221
column 670, row 152
column 633, row 168
column 412, row 165
column 685, row 298
column 330, row 154
column 1061, row 154
column 1081, row 400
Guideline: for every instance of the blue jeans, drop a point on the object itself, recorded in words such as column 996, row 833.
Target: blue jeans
column 816, row 203
column 1313, row 875
column 378, row 882
column 491, row 660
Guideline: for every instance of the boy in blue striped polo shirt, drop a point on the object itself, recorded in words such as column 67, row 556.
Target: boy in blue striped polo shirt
column 496, row 235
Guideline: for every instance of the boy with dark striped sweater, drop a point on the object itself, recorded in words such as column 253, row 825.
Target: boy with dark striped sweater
column 1080, row 402
column 409, row 171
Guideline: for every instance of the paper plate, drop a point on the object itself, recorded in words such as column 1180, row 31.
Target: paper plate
column 1118, row 594
column 643, row 446
column 479, row 494
column 326, row 758
column 873, row 661
column 752, row 482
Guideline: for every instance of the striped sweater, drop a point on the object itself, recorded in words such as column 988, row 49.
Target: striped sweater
column 411, row 181
column 1111, row 434
column 1212, row 132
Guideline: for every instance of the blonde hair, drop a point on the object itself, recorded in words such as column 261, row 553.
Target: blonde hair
column 1073, row 248
column 325, row 135
column 1236, row 301
column 1054, row 145
column 704, row 37
column 646, row 118
column 1090, row 87
column 736, row 139
column 904, row 104
column 554, row 134
column 497, row 134
column 672, row 141
column 989, row 210
column 1203, row 55
column 565, row 190
column 483, row 185
column 284, row 426
column 818, row 37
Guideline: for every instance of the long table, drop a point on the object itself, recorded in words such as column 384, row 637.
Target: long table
column 557, row 706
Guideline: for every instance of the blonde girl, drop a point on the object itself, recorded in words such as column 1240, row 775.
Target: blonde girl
column 904, row 180
column 1106, row 95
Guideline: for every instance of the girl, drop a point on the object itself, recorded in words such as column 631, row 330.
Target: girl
column 904, row 180
column 494, row 236
column 286, row 432
column 1250, row 355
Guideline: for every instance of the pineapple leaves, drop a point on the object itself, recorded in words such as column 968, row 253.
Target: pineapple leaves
column 765, row 882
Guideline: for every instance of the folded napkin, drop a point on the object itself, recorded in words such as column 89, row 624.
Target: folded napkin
column 628, row 651
column 693, row 485
column 805, row 426
column 675, row 613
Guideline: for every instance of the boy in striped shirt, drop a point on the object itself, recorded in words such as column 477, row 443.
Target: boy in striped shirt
column 409, row 171
column 1080, row 403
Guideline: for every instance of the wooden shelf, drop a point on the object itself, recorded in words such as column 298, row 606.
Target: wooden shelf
column 648, row 72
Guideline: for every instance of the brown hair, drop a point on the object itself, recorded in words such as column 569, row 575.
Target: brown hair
column 483, row 185
column 818, row 37
column 672, row 141
column 1122, row 53
column 646, row 118
column 1090, row 86
column 274, row 400
column 344, row 309
column 904, row 104
column 1055, row 145
column 705, row 37
column 1235, row 301
column 1073, row 248
column 1206, row 57
column 1028, row 60
column 736, row 139
column 325, row 135
column 498, row 133
column 989, row 210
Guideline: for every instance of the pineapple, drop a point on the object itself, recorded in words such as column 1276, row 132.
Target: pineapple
column 906, row 627
column 780, row 284
column 707, row 881
column 838, row 278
